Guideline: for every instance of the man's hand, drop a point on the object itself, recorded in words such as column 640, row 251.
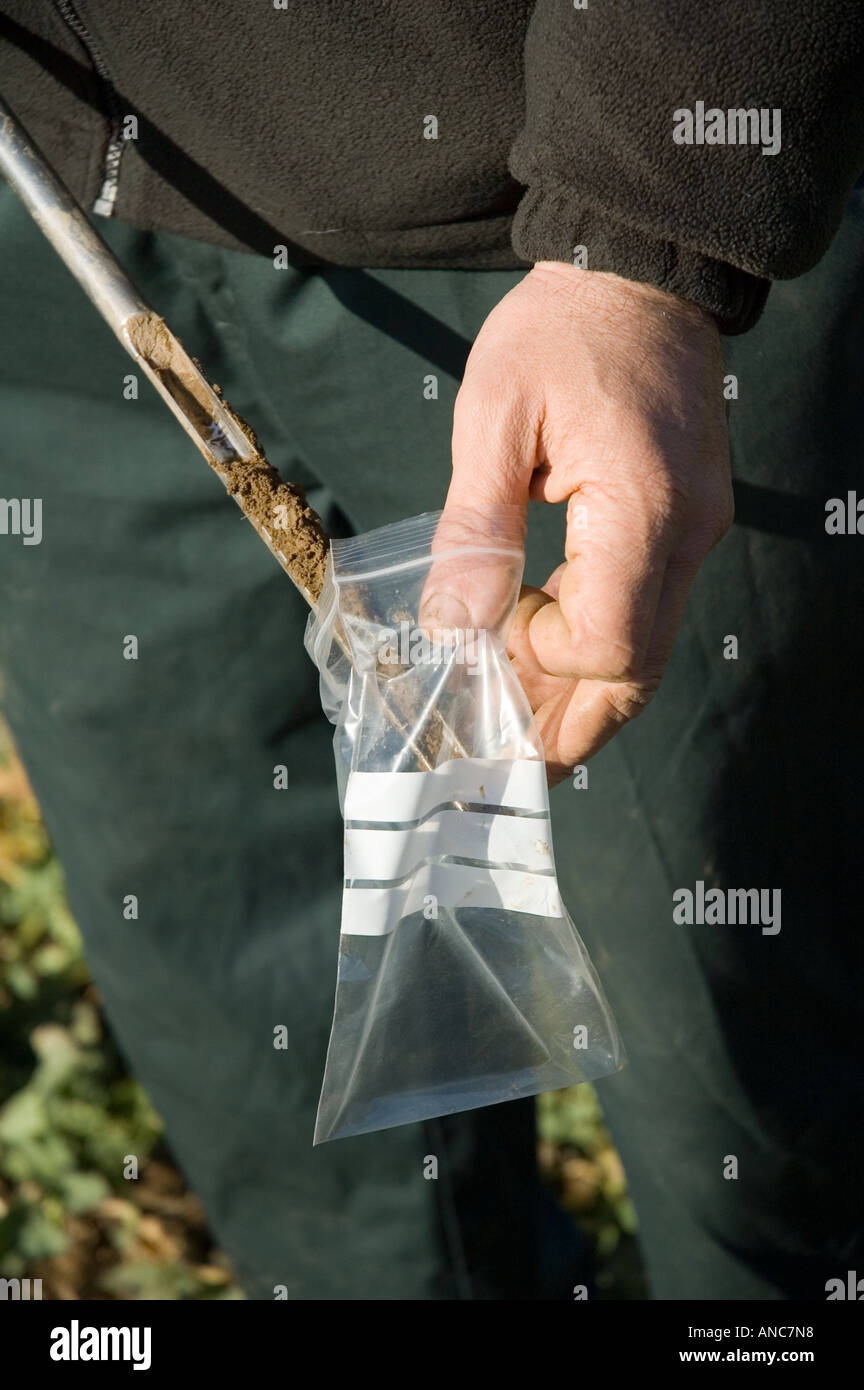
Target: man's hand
column 587, row 387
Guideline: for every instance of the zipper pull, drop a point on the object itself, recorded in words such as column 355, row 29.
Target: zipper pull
column 104, row 204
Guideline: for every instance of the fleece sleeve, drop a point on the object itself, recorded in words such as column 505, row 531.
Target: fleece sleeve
column 641, row 145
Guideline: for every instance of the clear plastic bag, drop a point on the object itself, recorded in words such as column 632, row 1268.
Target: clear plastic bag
column 461, row 980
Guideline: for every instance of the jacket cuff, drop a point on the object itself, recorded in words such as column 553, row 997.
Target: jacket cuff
column 551, row 222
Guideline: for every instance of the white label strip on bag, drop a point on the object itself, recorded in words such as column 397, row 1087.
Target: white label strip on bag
column 377, row 911
column 518, row 842
column 518, row 784
column 408, row 825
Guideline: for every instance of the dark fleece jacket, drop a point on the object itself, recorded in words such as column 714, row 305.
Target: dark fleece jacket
column 306, row 123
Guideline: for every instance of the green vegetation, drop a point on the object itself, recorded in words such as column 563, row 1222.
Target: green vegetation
column 70, row 1114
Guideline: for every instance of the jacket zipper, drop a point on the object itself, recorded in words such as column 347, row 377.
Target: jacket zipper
column 104, row 204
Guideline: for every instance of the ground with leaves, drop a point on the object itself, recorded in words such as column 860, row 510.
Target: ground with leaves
column 71, row 1116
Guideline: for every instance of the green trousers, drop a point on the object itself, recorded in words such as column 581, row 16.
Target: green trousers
column 156, row 778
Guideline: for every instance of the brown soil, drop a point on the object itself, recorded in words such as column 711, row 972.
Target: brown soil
column 279, row 509
column 289, row 527
column 286, row 523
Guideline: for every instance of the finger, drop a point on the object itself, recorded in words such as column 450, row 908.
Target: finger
column 484, row 512
column 537, row 684
column 608, row 593
column 677, row 583
column 553, row 583
column 478, row 558
column 531, row 600
column 576, row 726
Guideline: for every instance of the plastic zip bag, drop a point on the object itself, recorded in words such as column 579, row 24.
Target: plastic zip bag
column 461, row 981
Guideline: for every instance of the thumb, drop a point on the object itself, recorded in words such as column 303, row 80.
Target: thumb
column 478, row 548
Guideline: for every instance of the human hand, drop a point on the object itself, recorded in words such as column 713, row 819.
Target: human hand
column 609, row 393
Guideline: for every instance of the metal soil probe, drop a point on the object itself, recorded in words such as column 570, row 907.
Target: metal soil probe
column 218, row 433
column 288, row 526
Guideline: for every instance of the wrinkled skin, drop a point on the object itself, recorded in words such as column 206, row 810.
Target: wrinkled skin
column 587, row 387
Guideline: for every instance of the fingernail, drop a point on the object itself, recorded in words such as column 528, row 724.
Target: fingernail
column 445, row 610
